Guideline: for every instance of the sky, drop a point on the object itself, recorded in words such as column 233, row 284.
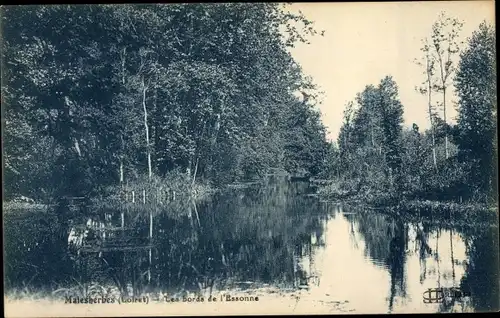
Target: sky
column 364, row 42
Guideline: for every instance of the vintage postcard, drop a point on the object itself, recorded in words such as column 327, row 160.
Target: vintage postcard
column 249, row 158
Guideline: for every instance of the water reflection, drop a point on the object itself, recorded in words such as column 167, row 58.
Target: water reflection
column 269, row 234
column 384, row 265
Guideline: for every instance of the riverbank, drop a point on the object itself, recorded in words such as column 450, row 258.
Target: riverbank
column 174, row 186
column 389, row 203
column 433, row 212
column 21, row 208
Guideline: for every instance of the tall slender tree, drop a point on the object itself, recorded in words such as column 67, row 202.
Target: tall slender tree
column 428, row 62
column 445, row 46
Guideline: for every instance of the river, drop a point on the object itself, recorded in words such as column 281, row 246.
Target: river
column 274, row 235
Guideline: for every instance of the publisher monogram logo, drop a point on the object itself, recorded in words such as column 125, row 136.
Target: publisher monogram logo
column 442, row 294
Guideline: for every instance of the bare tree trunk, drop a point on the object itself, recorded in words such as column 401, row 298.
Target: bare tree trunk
column 122, row 174
column 124, row 193
column 197, row 153
column 373, row 140
column 196, row 212
column 195, row 171
column 121, row 136
column 434, row 147
column 77, row 147
column 121, row 171
column 156, row 137
column 429, row 95
column 146, row 127
column 188, row 169
column 446, row 123
column 123, row 64
column 215, row 130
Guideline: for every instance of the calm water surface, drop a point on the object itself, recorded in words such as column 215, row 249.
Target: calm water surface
column 272, row 235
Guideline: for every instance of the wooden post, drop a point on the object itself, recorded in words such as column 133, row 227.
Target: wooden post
column 102, row 225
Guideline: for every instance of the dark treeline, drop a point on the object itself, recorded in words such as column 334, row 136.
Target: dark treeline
column 95, row 96
column 380, row 160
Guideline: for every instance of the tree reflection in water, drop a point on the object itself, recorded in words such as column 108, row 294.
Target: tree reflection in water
column 239, row 237
column 386, row 245
column 391, row 243
column 244, row 238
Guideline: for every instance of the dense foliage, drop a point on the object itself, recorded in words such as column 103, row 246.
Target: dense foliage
column 384, row 162
column 98, row 95
column 476, row 86
column 371, row 138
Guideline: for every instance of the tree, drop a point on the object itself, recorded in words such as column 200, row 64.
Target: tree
column 391, row 121
column 426, row 89
column 304, row 138
column 370, row 139
column 55, row 76
column 475, row 83
column 413, row 160
column 116, row 92
column 445, row 33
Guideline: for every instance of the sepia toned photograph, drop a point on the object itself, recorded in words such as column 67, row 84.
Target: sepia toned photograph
column 214, row 159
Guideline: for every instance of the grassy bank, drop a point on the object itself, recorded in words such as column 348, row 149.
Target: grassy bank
column 156, row 190
column 434, row 212
column 400, row 205
column 17, row 208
